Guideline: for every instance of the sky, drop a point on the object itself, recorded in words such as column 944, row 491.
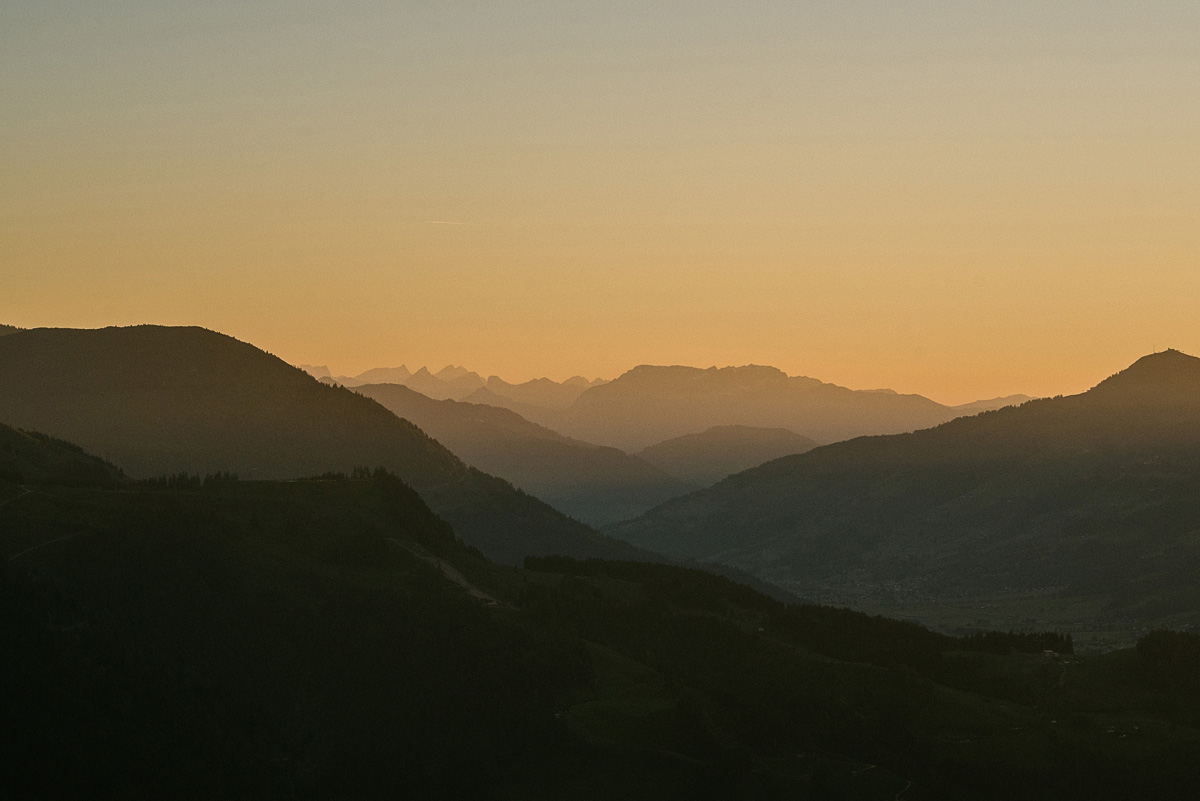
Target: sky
column 961, row 199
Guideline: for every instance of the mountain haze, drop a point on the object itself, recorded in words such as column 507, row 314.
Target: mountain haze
column 542, row 392
column 711, row 455
column 384, row 375
column 649, row 404
column 157, row 400
column 595, row 484
column 458, row 383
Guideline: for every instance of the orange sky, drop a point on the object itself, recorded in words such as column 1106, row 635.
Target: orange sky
column 963, row 201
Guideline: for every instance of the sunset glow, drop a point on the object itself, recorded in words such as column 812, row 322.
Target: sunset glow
column 961, row 200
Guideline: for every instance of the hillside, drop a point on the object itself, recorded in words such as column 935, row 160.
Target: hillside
column 157, row 400
column 331, row 638
column 1089, row 497
column 32, row 458
column 977, row 407
column 649, row 404
column 706, row 458
column 594, row 484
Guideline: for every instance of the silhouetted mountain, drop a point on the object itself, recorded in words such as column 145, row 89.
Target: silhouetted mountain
column 332, row 639
column 451, row 373
column 1093, row 495
column 9, row 329
column 32, row 458
column 459, row 383
column 542, row 392
column 449, row 382
column 384, row 375
column 315, row 370
column 711, row 455
column 975, row 407
column 158, row 400
column 650, row 404
column 455, row 386
column 594, row 484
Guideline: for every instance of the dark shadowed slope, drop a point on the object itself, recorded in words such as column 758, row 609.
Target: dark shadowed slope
column 651, row 404
column 162, row 400
column 711, row 455
column 594, row 484
column 330, row 638
column 32, row 458
column 8, row 329
column 1095, row 494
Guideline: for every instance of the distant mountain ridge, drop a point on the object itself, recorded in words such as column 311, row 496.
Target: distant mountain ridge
column 454, row 382
column 649, row 404
column 595, row 484
column 157, row 400
column 1093, row 493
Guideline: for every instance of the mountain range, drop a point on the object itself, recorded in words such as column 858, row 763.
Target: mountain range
column 158, row 400
column 1088, row 500
column 649, row 404
column 595, row 484
column 458, row 383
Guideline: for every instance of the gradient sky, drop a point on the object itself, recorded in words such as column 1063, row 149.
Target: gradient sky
column 962, row 199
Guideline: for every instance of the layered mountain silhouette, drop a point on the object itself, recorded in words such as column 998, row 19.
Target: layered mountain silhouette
column 1094, row 494
column 458, row 383
column 649, row 404
column 540, row 392
column 711, row 455
column 157, row 400
column 595, row 484
column 316, row 370
column 8, row 329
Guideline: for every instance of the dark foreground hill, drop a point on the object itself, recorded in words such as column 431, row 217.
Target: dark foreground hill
column 591, row 483
column 332, row 639
column 158, row 400
column 711, row 455
column 1090, row 497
